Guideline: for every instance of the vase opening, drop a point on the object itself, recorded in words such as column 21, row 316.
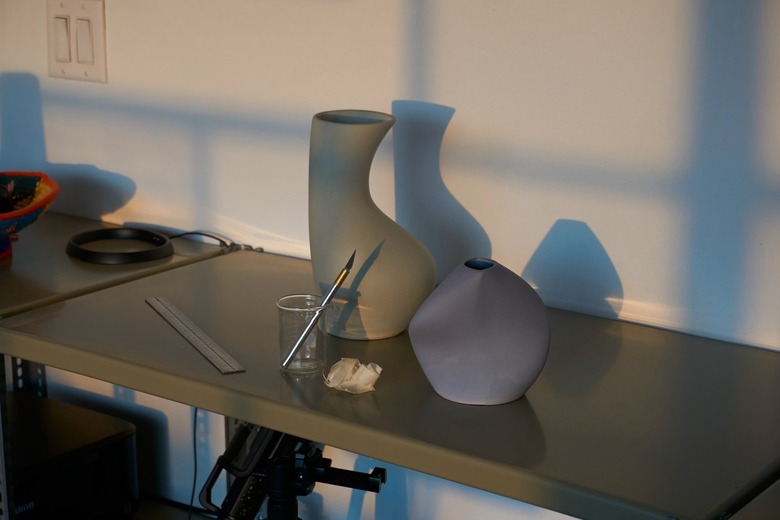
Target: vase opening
column 355, row 117
column 479, row 263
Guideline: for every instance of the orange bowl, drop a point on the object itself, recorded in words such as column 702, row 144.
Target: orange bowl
column 11, row 222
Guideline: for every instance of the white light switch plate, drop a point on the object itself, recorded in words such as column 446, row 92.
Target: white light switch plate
column 77, row 39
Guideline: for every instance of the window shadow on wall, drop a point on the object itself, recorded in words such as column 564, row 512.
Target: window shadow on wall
column 723, row 196
column 85, row 190
column 724, row 189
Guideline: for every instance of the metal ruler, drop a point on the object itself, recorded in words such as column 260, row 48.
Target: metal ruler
column 197, row 338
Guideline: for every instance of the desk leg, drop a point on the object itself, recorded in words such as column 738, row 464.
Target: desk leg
column 6, row 498
column 27, row 377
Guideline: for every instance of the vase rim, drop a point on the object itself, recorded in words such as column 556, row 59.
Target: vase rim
column 479, row 263
column 355, row 117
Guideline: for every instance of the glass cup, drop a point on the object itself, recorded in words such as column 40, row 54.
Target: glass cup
column 295, row 313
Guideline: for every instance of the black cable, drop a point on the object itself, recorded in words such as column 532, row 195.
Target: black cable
column 195, row 459
column 223, row 241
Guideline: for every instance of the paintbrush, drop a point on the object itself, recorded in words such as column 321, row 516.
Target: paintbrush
column 325, row 301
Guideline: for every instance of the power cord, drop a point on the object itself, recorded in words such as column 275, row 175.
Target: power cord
column 191, row 508
column 224, row 242
column 160, row 245
column 194, row 460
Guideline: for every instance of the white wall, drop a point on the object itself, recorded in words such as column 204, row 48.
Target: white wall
column 622, row 156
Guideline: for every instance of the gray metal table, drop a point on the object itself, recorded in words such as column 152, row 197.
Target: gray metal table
column 765, row 506
column 625, row 421
column 40, row 273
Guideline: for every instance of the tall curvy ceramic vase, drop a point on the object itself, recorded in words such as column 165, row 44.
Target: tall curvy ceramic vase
column 393, row 272
column 482, row 336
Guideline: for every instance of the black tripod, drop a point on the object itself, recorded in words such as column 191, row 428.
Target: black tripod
column 264, row 463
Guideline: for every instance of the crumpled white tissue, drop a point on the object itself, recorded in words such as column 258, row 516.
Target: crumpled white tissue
column 352, row 376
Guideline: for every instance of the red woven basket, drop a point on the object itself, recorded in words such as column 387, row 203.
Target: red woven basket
column 11, row 222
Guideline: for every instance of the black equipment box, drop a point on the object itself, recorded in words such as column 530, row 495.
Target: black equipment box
column 69, row 462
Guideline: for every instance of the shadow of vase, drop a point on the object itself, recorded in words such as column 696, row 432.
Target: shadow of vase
column 571, row 270
column 85, row 190
column 424, row 205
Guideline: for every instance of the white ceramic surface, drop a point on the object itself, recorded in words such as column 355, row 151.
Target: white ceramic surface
column 393, row 271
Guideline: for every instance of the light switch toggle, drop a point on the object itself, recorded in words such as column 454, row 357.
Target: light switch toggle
column 84, row 42
column 62, row 39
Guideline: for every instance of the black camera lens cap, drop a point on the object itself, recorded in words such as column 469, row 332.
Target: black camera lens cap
column 159, row 246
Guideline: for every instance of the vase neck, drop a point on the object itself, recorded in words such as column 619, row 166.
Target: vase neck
column 342, row 148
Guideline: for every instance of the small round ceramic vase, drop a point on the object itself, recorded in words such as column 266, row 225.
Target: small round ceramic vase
column 482, row 336
column 393, row 272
